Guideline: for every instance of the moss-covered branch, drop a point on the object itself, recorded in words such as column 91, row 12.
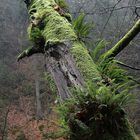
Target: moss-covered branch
column 29, row 52
column 124, row 41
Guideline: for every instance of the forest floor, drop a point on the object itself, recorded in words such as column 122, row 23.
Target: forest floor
column 21, row 123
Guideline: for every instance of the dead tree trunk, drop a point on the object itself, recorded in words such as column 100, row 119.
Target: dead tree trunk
column 68, row 61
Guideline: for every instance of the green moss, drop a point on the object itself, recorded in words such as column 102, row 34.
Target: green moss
column 128, row 133
column 85, row 63
column 55, row 135
column 34, row 34
column 57, row 28
column 68, row 17
column 62, row 3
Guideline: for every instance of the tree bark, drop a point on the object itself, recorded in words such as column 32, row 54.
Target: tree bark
column 68, row 60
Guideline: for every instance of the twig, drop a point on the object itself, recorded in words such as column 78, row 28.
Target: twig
column 125, row 65
column 5, row 123
column 109, row 17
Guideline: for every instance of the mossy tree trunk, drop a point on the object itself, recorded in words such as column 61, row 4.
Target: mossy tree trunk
column 67, row 60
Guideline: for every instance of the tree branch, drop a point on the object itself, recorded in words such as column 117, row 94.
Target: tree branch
column 30, row 51
column 124, row 41
column 125, row 65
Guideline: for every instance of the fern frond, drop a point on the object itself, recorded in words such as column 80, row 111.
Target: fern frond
column 97, row 50
column 98, row 103
column 81, row 28
column 110, row 69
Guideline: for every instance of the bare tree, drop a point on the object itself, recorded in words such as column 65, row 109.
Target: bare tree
column 39, row 113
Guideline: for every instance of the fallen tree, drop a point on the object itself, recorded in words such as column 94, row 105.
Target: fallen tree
column 95, row 111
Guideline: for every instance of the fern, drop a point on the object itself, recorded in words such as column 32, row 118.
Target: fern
column 97, row 50
column 81, row 28
column 111, row 72
column 110, row 69
column 96, row 103
column 107, row 95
